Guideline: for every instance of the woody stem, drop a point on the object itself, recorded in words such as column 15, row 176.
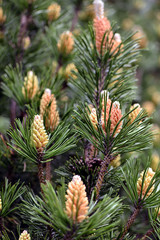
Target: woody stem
column 48, row 171
column 130, row 221
column 149, row 233
column 40, row 170
column 102, row 173
column 75, row 18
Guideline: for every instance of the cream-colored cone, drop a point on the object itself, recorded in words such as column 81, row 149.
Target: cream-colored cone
column 77, row 201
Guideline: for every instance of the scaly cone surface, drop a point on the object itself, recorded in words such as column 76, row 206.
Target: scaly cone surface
column 77, row 201
column 39, row 136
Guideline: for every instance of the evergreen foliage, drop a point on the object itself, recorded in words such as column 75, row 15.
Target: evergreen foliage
column 85, row 158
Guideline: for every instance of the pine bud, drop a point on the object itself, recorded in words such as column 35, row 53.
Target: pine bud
column 99, row 8
column 2, row 17
column 114, row 113
column 106, row 106
column 156, row 97
column 149, row 107
column 53, row 11
column 0, row 204
column 140, row 34
column 77, row 201
column 48, row 109
column 68, row 71
column 26, row 42
column 132, row 116
column 39, row 136
column 116, row 162
column 30, row 85
column 65, row 43
column 25, row 236
column 116, row 42
column 127, row 23
column 156, row 137
column 93, row 118
column 155, row 161
column 115, row 116
column 102, row 26
column 148, row 177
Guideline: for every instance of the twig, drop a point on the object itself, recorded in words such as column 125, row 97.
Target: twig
column 149, row 233
column 130, row 221
column 90, row 152
column 26, row 20
column 40, row 170
column 75, row 19
column 12, row 112
column 102, row 173
column 48, row 171
column 70, row 234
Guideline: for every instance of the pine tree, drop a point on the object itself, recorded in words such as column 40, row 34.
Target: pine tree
column 68, row 83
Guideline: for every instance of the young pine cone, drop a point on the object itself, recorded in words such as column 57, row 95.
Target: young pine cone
column 103, row 33
column 53, row 11
column 77, row 201
column 148, row 177
column 66, row 43
column 132, row 116
column 30, row 87
column 101, row 26
column 39, row 136
column 48, row 110
column 115, row 117
column 25, row 236
column 114, row 113
column 116, row 41
column 93, row 118
column 2, row 17
column 68, row 71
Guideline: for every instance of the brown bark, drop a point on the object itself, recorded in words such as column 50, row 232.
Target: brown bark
column 48, row 171
column 130, row 222
column 12, row 112
column 75, row 18
column 40, row 169
column 102, row 173
column 26, row 20
column 148, row 234
column 90, row 152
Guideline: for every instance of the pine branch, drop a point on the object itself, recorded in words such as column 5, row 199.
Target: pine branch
column 102, row 172
column 48, row 171
column 70, row 234
column 13, row 112
column 40, row 169
column 90, row 152
column 75, row 18
column 26, row 20
column 130, row 221
column 148, row 234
